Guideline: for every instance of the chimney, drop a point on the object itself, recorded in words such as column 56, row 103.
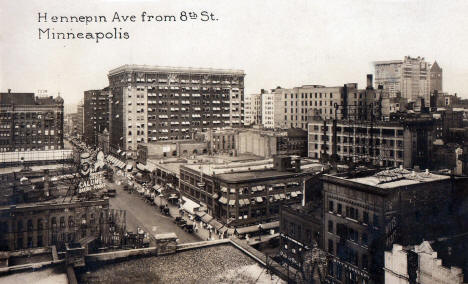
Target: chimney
column 369, row 81
column 9, row 91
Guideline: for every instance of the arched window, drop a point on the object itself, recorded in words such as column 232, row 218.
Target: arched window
column 174, row 153
column 195, row 151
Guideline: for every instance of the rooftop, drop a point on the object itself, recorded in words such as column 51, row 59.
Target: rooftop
column 395, row 178
column 218, row 264
column 152, row 68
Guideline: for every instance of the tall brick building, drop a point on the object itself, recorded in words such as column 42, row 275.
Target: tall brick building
column 30, row 123
column 96, row 114
column 151, row 103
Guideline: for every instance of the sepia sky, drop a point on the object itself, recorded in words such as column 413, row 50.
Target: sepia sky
column 276, row 43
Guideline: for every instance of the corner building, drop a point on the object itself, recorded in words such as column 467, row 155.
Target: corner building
column 151, row 103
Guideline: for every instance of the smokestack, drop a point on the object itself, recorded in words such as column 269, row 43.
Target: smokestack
column 369, row 81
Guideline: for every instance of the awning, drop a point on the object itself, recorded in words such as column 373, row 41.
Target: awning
column 283, row 196
column 259, row 199
column 223, row 200
column 246, row 201
column 246, row 230
column 223, row 229
column 271, row 225
column 224, row 189
column 157, row 188
column 206, row 218
column 232, row 202
column 293, row 194
column 189, row 205
column 215, row 196
column 298, row 192
column 173, row 196
column 140, row 167
column 118, row 151
column 129, row 167
column 217, row 225
column 277, row 197
column 200, row 213
column 241, row 202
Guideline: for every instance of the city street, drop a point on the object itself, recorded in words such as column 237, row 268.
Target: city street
column 145, row 215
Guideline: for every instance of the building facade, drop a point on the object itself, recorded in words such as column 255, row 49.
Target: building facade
column 410, row 77
column 29, row 123
column 267, row 143
column 164, row 103
column 420, row 264
column 365, row 214
column 253, row 109
column 30, row 225
column 407, row 142
column 96, row 114
column 243, row 194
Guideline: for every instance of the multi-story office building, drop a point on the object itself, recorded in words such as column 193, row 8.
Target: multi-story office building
column 96, row 114
column 150, row 103
column 295, row 107
column 270, row 113
column 29, row 123
column 244, row 194
column 435, row 78
column 367, row 214
column 78, row 121
column 253, row 109
column 407, row 142
column 300, row 230
column 410, row 77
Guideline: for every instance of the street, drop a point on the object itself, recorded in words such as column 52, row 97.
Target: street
column 145, row 215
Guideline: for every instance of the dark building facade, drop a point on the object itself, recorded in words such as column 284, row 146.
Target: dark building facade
column 300, row 230
column 151, row 103
column 365, row 214
column 30, row 225
column 96, row 114
column 29, row 123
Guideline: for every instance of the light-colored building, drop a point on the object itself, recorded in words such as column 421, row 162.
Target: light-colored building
column 153, row 103
column 253, row 109
column 419, row 264
column 270, row 102
column 410, row 77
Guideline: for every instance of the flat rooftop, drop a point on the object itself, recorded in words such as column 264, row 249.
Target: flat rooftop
column 216, row 264
column 395, row 178
column 53, row 275
column 155, row 68
column 9, row 170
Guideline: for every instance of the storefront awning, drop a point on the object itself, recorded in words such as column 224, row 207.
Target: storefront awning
column 189, row 205
column 246, row 201
column 217, row 225
column 140, row 167
column 283, row 196
column 200, row 214
column 247, row 230
column 241, row 202
column 129, row 167
column 232, row 202
column 299, row 192
column 206, row 218
column 173, row 196
column 293, row 194
column 215, row 196
column 277, row 197
column 223, row 200
column 271, row 225
column 259, row 199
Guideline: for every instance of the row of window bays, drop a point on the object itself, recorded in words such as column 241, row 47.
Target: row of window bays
column 177, row 78
column 241, row 196
column 319, row 128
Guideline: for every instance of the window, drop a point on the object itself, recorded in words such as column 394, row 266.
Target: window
column 365, row 261
column 330, row 203
column 62, row 222
column 330, row 246
column 365, row 239
column 376, row 221
column 340, row 208
column 365, row 217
